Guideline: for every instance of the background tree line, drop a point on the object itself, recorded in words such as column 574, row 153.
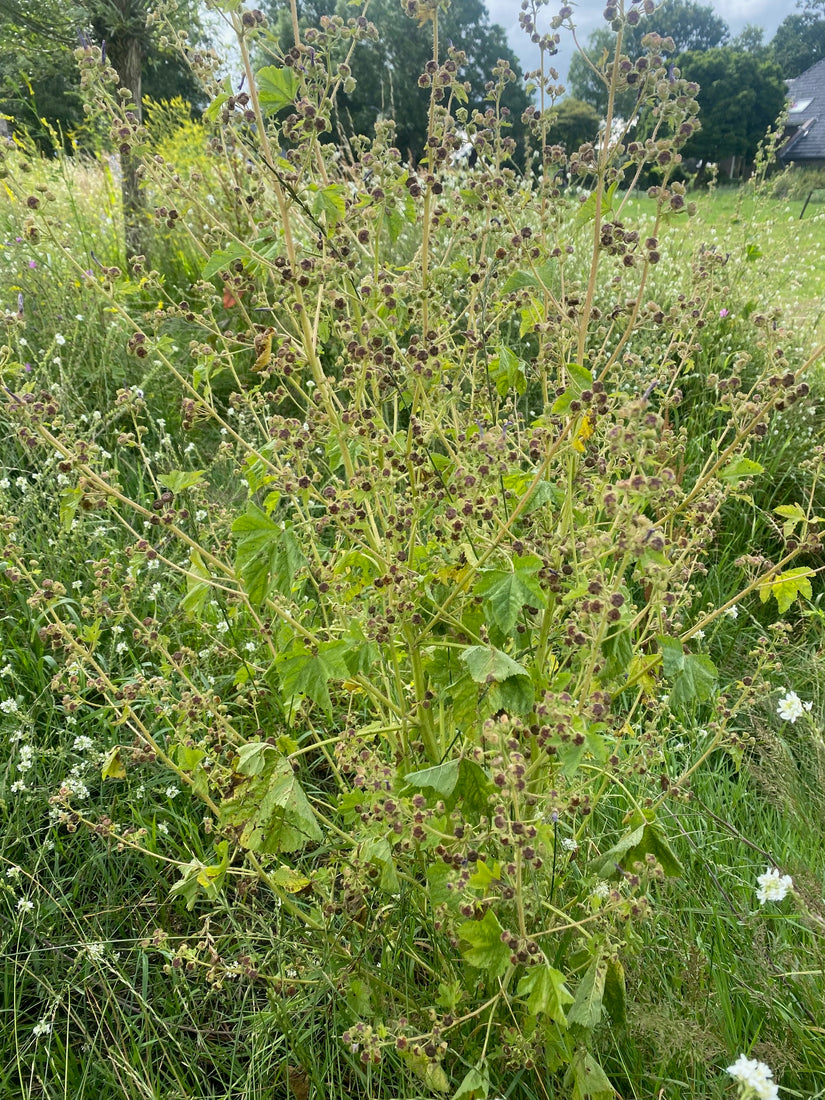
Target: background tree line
column 741, row 78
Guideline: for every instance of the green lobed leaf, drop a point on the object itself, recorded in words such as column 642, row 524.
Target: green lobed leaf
column 507, row 592
column 442, row 778
column 615, row 996
column 590, row 1082
column 330, row 202
column 484, row 949
column 739, row 469
column 69, row 503
column 486, row 664
column 198, row 592
column 579, row 379
column 378, row 852
column 694, row 675
column 508, row 372
column 178, row 480
column 224, row 258
column 197, row 877
column 586, row 1010
column 475, row 1084
column 267, row 554
column 455, row 780
column 643, row 837
column 792, row 514
column 304, row 672
column 277, row 87
column 787, row 586
column 271, row 810
column 546, row 993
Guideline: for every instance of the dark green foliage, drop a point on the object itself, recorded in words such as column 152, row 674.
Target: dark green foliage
column 691, row 25
column 740, row 97
column 799, row 42
column 386, row 71
column 575, row 123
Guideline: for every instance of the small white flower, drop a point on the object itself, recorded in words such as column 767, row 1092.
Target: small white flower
column 21, row 483
column 153, row 563
column 200, row 515
column 59, row 339
column 222, row 626
column 121, row 647
column 17, row 786
column 42, row 1027
column 755, row 1077
column 162, row 827
column 732, row 612
column 698, row 635
column 57, row 360
column 25, row 905
column 790, row 707
column 14, row 871
column 6, row 670
column 95, row 950
column 773, row 886
column 77, row 585
column 9, row 706
column 78, row 317
column 4, row 483
column 172, row 792
column 76, row 787
column 250, row 648
column 569, row 844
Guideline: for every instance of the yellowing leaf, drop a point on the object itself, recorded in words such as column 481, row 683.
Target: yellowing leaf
column 113, row 766
column 786, row 587
column 586, row 429
column 792, row 514
column 265, row 353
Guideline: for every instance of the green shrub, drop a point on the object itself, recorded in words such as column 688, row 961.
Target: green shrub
column 361, row 671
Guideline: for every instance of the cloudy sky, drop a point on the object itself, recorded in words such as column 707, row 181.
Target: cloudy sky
column 736, row 13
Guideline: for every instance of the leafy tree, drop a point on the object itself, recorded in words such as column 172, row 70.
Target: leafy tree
column 740, row 96
column 691, row 25
column 751, row 39
column 584, row 81
column 40, row 79
column 799, row 42
column 387, row 71
column 575, row 122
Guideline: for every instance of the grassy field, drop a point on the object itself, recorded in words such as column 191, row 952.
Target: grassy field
column 148, row 947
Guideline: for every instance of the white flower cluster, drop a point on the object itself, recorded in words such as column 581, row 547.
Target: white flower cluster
column 755, row 1078
column 791, row 707
column 773, row 886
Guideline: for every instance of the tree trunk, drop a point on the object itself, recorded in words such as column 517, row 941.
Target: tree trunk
column 128, row 62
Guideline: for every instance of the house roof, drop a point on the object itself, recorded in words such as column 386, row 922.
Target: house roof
column 806, row 117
